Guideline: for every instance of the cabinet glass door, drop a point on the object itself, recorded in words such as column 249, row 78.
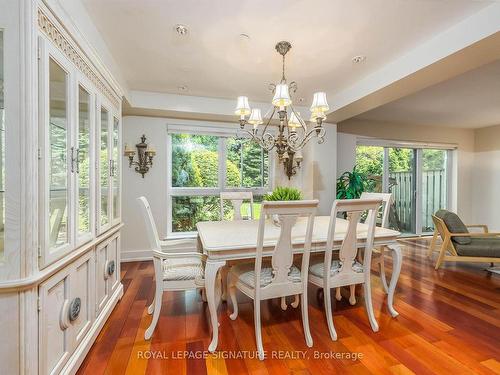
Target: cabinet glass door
column 104, row 168
column 58, row 147
column 116, row 169
column 83, row 162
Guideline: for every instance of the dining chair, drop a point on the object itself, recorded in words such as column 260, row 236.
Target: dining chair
column 236, row 198
column 377, row 253
column 174, row 271
column 279, row 277
column 328, row 274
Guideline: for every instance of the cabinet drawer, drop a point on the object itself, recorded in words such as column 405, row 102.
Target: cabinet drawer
column 66, row 313
column 107, row 270
column 54, row 339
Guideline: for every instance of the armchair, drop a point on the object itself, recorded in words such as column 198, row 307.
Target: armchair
column 460, row 245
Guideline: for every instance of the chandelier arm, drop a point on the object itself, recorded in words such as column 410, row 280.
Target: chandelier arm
column 269, row 120
column 267, row 141
column 308, row 136
column 301, row 120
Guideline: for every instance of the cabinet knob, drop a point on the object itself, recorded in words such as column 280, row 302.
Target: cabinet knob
column 69, row 312
column 109, row 268
column 74, row 308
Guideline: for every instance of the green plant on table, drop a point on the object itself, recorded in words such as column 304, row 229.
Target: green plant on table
column 282, row 193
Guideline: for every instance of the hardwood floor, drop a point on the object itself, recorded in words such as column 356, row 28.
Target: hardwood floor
column 449, row 323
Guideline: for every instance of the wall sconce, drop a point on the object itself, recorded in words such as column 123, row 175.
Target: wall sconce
column 291, row 161
column 145, row 155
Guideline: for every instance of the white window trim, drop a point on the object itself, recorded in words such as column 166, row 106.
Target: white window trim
column 221, row 130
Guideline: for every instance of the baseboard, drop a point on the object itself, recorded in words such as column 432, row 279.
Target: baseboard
column 135, row 256
column 80, row 353
column 141, row 255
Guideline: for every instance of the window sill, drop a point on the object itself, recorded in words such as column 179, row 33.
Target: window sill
column 181, row 236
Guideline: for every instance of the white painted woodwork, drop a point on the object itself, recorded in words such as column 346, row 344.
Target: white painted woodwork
column 173, row 271
column 55, row 341
column 37, row 281
column 235, row 240
column 346, row 272
column 282, row 283
column 236, row 198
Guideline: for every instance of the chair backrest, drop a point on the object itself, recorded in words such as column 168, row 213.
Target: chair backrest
column 236, row 199
column 349, row 247
column 386, row 205
column 152, row 232
column 282, row 256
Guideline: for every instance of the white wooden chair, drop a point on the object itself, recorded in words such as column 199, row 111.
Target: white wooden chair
column 378, row 252
column 279, row 277
column 236, row 198
column 173, row 271
column 347, row 270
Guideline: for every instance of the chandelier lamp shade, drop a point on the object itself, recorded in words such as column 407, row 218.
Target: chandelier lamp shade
column 292, row 132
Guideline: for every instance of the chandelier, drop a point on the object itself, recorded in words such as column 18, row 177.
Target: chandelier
column 293, row 133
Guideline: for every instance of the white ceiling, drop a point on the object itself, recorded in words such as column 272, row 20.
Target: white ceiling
column 213, row 61
column 471, row 100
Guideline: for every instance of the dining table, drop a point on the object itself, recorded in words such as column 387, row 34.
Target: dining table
column 229, row 241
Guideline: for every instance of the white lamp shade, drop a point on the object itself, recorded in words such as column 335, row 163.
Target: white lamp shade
column 281, row 96
column 319, row 102
column 294, row 121
column 242, row 107
column 255, row 117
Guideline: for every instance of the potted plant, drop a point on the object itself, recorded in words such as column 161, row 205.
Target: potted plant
column 283, row 193
column 350, row 185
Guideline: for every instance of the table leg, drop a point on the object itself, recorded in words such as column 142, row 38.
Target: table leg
column 397, row 259
column 213, row 291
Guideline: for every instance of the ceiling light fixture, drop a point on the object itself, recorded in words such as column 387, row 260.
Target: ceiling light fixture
column 358, row 59
column 181, row 29
column 293, row 133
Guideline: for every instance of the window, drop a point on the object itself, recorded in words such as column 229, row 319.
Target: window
column 204, row 165
column 417, row 176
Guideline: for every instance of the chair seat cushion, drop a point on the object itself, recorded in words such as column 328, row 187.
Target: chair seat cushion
column 246, row 274
column 178, row 269
column 480, row 247
column 316, row 269
column 454, row 225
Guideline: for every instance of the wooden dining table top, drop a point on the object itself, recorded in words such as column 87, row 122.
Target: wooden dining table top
column 219, row 236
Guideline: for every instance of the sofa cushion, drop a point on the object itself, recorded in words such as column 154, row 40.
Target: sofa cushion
column 480, row 247
column 454, row 225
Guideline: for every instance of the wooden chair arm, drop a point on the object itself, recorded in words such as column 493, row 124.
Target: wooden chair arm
column 483, row 226
column 488, row 234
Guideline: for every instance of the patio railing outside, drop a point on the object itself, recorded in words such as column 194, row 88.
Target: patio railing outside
column 433, row 198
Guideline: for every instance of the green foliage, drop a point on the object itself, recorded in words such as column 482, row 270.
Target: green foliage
column 282, row 193
column 350, row 185
column 369, row 160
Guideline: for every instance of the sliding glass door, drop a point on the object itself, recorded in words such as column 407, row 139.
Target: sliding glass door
column 402, row 176
column 417, row 177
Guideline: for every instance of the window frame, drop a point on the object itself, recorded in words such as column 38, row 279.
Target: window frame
column 223, row 132
column 451, row 175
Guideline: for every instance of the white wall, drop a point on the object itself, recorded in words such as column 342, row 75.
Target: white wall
column 324, row 170
column 486, row 178
column 316, row 178
column 153, row 186
column 346, row 152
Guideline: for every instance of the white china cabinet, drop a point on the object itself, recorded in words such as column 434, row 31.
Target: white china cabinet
column 60, row 141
